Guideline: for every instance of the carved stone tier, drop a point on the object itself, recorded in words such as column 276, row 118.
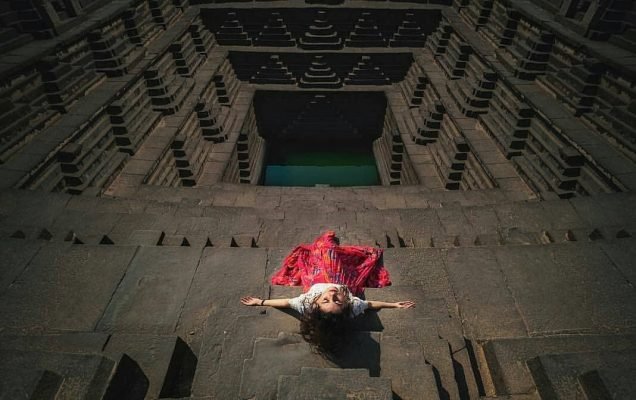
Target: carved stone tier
column 231, row 32
column 139, row 23
column 320, row 76
column 507, row 121
column 365, row 33
column 321, row 35
column 274, row 72
column 275, row 33
column 409, row 33
column 365, row 73
column 132, row 117
column 114, row 54
column 529, row 52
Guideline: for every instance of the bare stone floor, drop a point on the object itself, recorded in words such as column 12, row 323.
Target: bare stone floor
column 101, row 282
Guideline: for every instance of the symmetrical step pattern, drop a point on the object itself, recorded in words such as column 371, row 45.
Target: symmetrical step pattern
column 166, row 88
column 563, row 162
column 250, row 152
column 429, row 118
column 572, row 78
column 450, row 153
column 320, row 76
column 190, row 151
column 89, row 160
column 507, row 121
column 389, row 148
column 472, row 93
column 114, row 54
column 275, row 33
column 274, row 72
column 414, row 85
column 455, row 58
column 529, row 52
column 231, row 32
column 69, row 75
column 438, row 41
column 132, row 117
column 366, row 33
column 614, row 113
column 213, row 117
column 202, row 38
column 502, row 25
column 164, row 12
column 141, row 29
column 409, row 33
column 227, row 85
column 477, row 13
column 321, row 35
column 365, row 73
column 186, row 58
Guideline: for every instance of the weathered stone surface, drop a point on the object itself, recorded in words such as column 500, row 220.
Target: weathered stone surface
column 16, row 254
column 69, row 297
column 561, row 374
column 623, row 253
column 329, row 383
column 28, row 383
column 484, row 300
column 166, row 361
column 150, row 297
column 541, row 281
column 506, row 357
column 404, row 364
column 84, row 376
column 285, row 355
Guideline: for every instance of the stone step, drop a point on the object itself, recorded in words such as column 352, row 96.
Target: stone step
column 228, row 341
column 79, row 375
column 165, row 364
column 82, row 220
column 596, row 374
column 507, row 358
column 404, row 364
column 284, row 355
column 330, row 383
column 17, row 383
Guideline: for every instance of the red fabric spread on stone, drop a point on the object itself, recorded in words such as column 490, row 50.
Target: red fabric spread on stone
column 324, row 261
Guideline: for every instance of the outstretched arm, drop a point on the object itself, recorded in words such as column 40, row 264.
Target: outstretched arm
column 255, row 301
column 376, row 305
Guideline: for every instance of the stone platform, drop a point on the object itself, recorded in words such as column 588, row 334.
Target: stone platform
column 163, row 290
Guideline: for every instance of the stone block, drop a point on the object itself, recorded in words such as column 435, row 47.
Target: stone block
column 58, row 290
column 328, row 383
column 540, row 280
column 507, row 358
column 150, row 297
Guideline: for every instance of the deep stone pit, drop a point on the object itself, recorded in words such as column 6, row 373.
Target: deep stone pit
column 306, row 145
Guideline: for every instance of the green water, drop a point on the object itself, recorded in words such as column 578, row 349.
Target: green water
column 325, row 167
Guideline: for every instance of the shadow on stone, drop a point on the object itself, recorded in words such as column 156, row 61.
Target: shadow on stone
column 361, row 351
column 180, row 374
column 128, row 383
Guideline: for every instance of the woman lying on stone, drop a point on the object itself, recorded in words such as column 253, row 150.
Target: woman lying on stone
column 332, row 277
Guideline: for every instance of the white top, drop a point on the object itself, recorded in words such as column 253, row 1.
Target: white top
column 302, row 302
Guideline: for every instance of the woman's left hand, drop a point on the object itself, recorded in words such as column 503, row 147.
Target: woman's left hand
column 251, row 301
column 405, row 304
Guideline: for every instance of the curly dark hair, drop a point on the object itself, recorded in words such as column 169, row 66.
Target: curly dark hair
column 327, row 333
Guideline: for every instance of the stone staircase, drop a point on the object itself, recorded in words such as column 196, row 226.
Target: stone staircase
column 95, row 366
column 284, row 218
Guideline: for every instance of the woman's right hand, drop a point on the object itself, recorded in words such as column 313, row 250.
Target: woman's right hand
column 251, row 301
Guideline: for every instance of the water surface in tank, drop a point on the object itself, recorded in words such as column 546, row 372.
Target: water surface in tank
column 326, row 164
